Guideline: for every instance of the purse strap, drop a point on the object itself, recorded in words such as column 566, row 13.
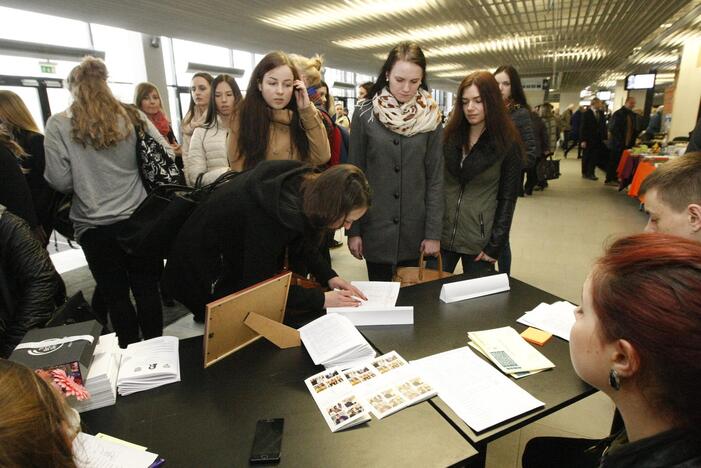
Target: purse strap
column 422, row 265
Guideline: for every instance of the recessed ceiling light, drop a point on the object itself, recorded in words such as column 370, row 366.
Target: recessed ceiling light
column 347, row 12
column 590, row 53
column 506, row 43
column 456, row 73
column 443, row 67
column 422, row 34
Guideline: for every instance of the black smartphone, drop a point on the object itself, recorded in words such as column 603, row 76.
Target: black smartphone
column 267, row 441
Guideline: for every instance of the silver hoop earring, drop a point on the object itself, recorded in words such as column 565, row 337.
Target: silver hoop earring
column 614, row 380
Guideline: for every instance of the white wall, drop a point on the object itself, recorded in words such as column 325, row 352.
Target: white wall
column 569, row 97
column 688, row 91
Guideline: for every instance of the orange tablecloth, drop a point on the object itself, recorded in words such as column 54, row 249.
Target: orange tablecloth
column 622, row 163
column 644, row 169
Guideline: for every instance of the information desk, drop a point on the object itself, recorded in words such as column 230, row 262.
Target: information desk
column 441, row 327
column 209, row 418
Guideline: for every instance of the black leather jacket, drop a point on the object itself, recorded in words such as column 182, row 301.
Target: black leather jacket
column 677, row 448
column 30, row 288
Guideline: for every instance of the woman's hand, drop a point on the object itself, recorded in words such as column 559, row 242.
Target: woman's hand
column 339, row 283
column 177, row 149
column 483, row 257
column 301, row 95
column 355, row 245
column 340, row 299
column 430, row 247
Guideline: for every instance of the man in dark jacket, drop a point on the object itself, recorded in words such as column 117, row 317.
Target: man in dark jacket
column 30, row 288
column 622, row 136
column 695, row 139
column 592, row 134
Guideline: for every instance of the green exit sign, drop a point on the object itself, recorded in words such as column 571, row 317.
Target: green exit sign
column 48, row 68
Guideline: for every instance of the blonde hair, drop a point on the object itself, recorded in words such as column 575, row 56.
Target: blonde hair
column 309, row 67
column 95, row 112
column 34, row 421
column 143, row 90
column 14, row 113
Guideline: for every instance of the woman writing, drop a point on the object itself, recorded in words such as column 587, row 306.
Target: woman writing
column 271, row 123
column 200, row 91
column 239, row 236
column 207, row 159
column 148, row 100
column 636, row 338
column 482, row 174
column 396, row 141
column 90, row 151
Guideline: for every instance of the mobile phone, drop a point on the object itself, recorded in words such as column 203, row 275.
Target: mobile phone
column 267, row 441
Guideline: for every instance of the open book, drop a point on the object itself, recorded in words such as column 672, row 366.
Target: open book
column 149, row 364
column 379, row 308
column 333, row 341
column 509, row 351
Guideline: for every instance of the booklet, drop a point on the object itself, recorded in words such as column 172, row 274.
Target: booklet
column 149, row 364
column 333, row 341
column 509, row 351
column 336, row 399
column 91, row 452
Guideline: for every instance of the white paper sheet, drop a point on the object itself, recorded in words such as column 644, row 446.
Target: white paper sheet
column 478, row 393
column 91, row 452
column 333, row 340
column 556, row 318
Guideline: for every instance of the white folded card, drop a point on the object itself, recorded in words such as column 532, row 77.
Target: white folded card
column 401, row 315
column 468, row 289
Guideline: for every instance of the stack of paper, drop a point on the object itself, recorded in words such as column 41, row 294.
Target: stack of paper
column 333, row 341
column 102, row 376
column 509, row 351
column 556, row 318
column 379, row 308
column 149, row 364
column 478, row 393
column 91, row 452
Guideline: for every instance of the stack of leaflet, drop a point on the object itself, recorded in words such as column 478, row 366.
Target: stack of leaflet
column 333, row 341
column 101, row 382
column 108, row 452
column 380, row 307
column 509, row 351
column 149, row 364
column 556, row 318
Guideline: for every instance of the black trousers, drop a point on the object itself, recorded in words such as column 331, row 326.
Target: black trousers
column 614, row 159
column 116, row 273
column 385, row 271
column 589, row 158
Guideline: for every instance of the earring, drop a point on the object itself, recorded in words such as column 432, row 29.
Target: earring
column 614, row 380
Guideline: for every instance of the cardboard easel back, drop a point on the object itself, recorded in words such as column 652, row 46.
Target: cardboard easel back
column 225, row 330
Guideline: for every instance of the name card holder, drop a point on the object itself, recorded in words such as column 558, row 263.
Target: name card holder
column 478, row 287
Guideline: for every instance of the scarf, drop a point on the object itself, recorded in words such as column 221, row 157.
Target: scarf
column 418, row 115
column 196, row 121
column 160, row 121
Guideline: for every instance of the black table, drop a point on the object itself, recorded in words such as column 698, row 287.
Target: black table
column 441, row 327
column 208, row 419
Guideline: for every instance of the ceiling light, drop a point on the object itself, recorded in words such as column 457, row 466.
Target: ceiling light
column 423, row 34
column 348, row 11
column 455, row 74
column 589, row 53
column 443, row 67
column 506, row 43
column 658, row 58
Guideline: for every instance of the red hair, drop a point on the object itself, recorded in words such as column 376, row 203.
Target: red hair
column 647, row 290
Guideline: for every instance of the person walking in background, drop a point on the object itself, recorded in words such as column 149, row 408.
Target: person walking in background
column 512, row 92
column 148, row 99
column 207, row 159
column 621, row 137
column 200, row 92
column 592, row 134
column 90, row 151
column 18, row 122
column 483, row 161
column 566, row 125
column 277, row 120
column 396, row 142
column 575, row 123
column 341, row 118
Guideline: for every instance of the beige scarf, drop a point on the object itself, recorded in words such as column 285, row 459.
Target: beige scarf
column 418, row 115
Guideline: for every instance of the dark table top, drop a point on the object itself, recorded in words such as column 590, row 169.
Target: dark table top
column 208, row 419
column 441, row 327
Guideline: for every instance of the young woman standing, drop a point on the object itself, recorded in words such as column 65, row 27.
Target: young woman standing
column 482, row 173
column 207, row 159
column 200, row 91
column 396, row 141
column 271, row 123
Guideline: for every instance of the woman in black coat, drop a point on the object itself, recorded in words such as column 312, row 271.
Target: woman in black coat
column 240, row 235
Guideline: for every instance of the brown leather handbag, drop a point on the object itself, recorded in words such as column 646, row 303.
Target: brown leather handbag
column 416, row 275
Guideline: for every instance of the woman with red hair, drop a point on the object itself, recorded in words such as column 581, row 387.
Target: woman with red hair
column 637, row 338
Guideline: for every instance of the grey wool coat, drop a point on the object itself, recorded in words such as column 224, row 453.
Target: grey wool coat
column 406, row 179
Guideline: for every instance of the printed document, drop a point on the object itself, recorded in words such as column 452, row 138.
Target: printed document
column 509, row 351
column 556, row 318
column 92, row 452
column 332, row 340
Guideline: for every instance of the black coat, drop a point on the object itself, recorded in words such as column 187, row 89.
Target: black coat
column 30, row 287
column 238, row 237
column 524, row 124
column 676, row 448
column 619, row 126
column 592, row 131
column 14, row 191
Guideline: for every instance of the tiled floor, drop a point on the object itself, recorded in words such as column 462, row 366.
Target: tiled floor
column 556, row 236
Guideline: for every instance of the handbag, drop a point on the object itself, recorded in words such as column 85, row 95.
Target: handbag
column 409, row 276
column 552, row 168
column 156, row 167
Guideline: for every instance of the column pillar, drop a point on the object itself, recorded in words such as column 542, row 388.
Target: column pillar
column 155, row 69
column 687, row 94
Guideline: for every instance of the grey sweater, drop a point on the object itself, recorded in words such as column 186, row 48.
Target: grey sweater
column 105, row 183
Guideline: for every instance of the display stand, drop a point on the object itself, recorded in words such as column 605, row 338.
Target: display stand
column 235, row 321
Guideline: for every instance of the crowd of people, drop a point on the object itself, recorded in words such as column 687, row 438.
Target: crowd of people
column 291, row 168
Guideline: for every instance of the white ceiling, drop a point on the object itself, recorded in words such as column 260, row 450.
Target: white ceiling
column 579, row 43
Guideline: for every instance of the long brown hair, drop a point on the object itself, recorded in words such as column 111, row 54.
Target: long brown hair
column 143, row 90
column 14, row 113
column 406, row 51
column 517, row 94
column 255, row 115
column 498, row 124
column 191, row 110
column 211, row 120
column 8, row 142
column 33, row 421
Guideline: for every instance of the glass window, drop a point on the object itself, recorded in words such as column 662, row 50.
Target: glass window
column 28, row 26
column 245, row 61
column 59, row 99
column 185, row 52
column 29, row 66
column 30, row 96
column 124, row 55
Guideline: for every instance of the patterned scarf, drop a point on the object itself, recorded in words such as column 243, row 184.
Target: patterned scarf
column 418, row 115
column 161, row 122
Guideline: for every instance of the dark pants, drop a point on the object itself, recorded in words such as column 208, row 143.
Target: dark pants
column 385, row 271
column 505, row 258
column 531, row 179
column 614, row 159
column 589, row 158
column 115, row 273
column 572, row 144
column 469, row 265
